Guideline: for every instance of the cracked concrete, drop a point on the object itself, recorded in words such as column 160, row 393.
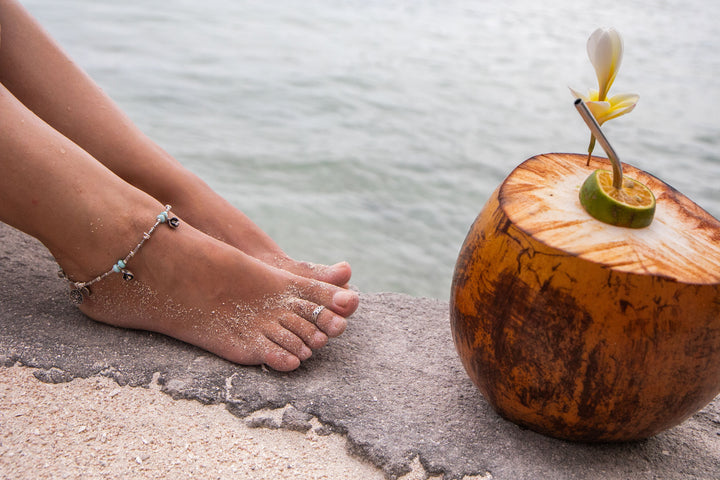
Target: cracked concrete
column 392, row 384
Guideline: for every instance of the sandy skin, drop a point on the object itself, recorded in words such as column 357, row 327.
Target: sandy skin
column 205, row 292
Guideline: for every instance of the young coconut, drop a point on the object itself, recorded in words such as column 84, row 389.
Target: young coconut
column 584, row 330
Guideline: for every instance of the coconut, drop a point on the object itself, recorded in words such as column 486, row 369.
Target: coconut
column 579, row 329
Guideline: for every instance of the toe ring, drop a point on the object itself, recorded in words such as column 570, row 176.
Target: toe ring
column 316, row 313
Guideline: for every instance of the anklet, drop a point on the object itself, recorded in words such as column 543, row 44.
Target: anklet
column 80, row 290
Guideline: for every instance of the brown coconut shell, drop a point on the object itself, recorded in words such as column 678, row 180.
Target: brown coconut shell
column 582, row 330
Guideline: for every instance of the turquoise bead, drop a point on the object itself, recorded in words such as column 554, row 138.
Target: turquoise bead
column 121, row 264
column 162, row 218
column 116, row 269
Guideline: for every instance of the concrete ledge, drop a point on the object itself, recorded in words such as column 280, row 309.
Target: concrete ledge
column 392, row 384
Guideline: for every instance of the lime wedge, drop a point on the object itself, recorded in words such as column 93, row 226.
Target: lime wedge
column 631, row 206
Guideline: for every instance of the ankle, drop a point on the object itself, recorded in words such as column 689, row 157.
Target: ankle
column 93, row 247
column 81, row 289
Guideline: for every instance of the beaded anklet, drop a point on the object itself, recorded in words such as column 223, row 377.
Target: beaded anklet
column 80, row 290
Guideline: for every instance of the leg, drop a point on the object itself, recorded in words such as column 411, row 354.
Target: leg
column 42, row 77
column 188, row 285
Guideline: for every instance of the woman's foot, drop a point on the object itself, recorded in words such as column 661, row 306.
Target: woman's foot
column 195, row 288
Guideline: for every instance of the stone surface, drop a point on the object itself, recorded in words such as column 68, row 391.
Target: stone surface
column 392, row 384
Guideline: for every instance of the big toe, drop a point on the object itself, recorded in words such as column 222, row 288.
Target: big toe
column 345, row 302
column 338, row 274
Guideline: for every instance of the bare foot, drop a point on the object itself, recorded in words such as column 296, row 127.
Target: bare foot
column 195, row 288
column 235, row 228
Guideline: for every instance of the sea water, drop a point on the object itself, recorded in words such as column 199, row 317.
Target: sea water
column 374, row 131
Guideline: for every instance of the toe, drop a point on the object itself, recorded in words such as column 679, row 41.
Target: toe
column 281, row 360
column 330, row 323
column 340, row 300
column 302, row 326
column 334, row 326
column 344, row 302
column 289, row 341
column 277, row 357
column 258, row 350
column 338, row 274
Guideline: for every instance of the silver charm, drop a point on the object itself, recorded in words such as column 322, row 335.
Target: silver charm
column 77, row 295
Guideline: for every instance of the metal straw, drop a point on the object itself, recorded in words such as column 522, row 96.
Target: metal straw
column 600, row 136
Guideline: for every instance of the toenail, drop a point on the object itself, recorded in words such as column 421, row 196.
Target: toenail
column 305, row 353
column 338, row 324
column 343, row 298
column 319, row 339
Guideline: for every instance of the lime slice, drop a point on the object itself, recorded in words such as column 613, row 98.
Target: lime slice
column 631, row 206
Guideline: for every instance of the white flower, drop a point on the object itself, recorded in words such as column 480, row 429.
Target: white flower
column 605, row 49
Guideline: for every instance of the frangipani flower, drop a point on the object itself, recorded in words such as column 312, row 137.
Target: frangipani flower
column 605, row 49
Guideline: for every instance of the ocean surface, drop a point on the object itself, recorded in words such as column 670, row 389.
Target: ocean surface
column 374, row 131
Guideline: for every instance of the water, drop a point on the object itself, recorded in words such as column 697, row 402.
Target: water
column 374, row 131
